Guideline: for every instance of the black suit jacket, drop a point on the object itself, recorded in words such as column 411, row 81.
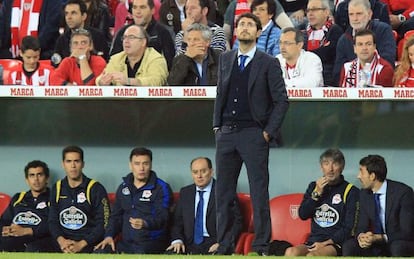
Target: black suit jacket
column 267, row 95
column 183, row 225
column 399, row 211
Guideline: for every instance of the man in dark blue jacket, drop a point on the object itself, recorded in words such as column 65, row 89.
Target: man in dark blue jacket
column 141, row 210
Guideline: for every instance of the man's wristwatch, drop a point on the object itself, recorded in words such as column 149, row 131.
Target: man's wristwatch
column 315, row 195
column 82, row 57
column 402, row 18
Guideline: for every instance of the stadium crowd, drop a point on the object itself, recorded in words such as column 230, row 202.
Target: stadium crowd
column 345, row 43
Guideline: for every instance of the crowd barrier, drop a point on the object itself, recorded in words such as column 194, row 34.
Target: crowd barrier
column 307, row 94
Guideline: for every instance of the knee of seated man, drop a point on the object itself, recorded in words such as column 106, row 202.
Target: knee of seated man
column 400, row 248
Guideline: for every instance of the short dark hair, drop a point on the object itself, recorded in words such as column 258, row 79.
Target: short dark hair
column 209, row 164
column 375, row 164
column 149, row 2
column 30, row 42
column 35, row 164
column 271, row 6
column 250, row 16
column 298, row 34
column 72, row 149
column 82, row 6
column 365, row 32
column 140, row 151
column 204, row 3
column 335, row 154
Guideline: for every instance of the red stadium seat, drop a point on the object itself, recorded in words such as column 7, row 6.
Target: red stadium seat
column 4, row 202
column 46, row 63
column 9, row 64
column 247, row 213
column 111, row 198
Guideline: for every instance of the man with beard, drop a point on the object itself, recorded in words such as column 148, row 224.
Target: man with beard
column 332, row 203
column 250, row 106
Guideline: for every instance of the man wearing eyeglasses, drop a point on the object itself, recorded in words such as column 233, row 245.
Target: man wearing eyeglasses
column 249, row 110
column 321, row 36
column 82, row 67
column 137, row 64
column 75, row 16
column 300, row 68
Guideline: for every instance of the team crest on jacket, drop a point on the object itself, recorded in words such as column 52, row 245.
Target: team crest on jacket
column 336, row 199
column 126, row 191
column 326, row 216
column 41, row 205
column 146, row 195
column 72, row 218
column 81, row 197
column 27, row 218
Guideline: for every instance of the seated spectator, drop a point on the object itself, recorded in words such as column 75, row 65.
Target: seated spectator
column 75, row 16
column 295, row 9
column 82, row 67
column 25, row 219
column 98, row 17
column 141, row 210
column 196, row 12
column 31, row 72
column 401, row 13
column 41, row 21
column 331, row 203
column 199, row 64
column 321, row 36
column 360, row 14
column 300, row 68
column 268, row 40
column 404, row 73
column 172, row 13
column 368, row 69
column 122, row 15
column 137, row 65
column 160, row 37
column 196, row 233
column 238, row 7
column 378, row 7
column 386, row 223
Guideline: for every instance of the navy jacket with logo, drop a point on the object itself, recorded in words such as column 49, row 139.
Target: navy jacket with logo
column 151, row 203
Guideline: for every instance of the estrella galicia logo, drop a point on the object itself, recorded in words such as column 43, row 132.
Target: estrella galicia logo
column 72, row 218
column 326, row 216
column 27, row 218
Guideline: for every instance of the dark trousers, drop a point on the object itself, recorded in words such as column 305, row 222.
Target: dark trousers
column 398, row 248
column 15, row 244
column 235, row 146
column 51, row 245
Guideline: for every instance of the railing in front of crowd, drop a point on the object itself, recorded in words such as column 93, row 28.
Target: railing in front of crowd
column 184, row 92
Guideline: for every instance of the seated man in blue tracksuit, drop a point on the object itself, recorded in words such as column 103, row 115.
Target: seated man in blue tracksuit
column 141, row 210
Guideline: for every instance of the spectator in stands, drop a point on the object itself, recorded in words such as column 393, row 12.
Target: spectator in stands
column 160, row 37
column 300, row 68
column 172, row 13
column 332, row 204
column 122, row 15
column 75, row 16
column 137, row 65
column 196, row 233
column 98, row 17
column 321, row 36
column 295, row 9
column 196, row 12
column 25, row 219
column 368, row 69
column 404, row 73
column 386, row 222
column 378, row 7
column 79, row 209
column 360, row 18
column 401, row 13
column 41, row 20
column 31, row 72
column 82, row 67
column 141, row 210
column 268, row 40
column 199, row 64
column 238, row 7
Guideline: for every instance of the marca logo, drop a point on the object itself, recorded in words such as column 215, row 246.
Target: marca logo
column 294, row 211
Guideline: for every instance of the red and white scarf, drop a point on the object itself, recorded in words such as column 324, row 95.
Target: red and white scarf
column 24, row 21
column 242, row 6
column 353, row 75
column 317, row 38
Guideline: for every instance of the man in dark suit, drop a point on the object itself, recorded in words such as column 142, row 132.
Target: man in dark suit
column 183, row 229
column 386, row 221
column 250, row 106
